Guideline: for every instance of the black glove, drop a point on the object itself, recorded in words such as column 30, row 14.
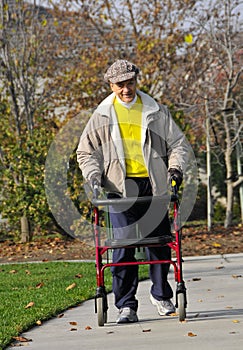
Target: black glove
column 177, row 176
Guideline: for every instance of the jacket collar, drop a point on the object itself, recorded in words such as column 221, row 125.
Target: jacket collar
column 150, row 106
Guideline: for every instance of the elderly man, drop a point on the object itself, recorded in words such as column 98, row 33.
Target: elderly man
column 130, row 146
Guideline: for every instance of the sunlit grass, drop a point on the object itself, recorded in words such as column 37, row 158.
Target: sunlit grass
column 38, row 291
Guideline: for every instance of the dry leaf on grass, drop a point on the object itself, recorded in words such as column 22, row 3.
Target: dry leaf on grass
column 73, row 285
column 31, row 304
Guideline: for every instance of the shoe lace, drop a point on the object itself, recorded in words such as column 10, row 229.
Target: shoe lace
column 167, row 303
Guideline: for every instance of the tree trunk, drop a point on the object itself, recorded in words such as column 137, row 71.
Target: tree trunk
column 208, row 157
column 25, row 230
column 229, row 207
column 229, row 170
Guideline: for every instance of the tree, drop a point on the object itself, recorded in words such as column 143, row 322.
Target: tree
column 214, row 75
column 22, row 38
column 148, row 33
column 53, row 60
column 23, row 199
column 38, row 60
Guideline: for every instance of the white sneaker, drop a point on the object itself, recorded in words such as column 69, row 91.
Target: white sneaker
column 127, row 315
column 164, row 307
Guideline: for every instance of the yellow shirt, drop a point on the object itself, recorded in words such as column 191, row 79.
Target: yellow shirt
column 130, row 122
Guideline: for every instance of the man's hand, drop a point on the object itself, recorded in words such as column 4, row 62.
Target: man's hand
column 177, row 176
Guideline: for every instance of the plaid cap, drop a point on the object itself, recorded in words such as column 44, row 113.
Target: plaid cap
column 120, row 70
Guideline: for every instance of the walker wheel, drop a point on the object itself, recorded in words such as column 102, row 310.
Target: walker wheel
column 102, row 314
column 181, row 306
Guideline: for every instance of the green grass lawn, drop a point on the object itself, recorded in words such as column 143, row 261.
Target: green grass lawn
column 33, row 292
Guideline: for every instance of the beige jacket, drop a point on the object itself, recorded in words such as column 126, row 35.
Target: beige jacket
column 100, row 150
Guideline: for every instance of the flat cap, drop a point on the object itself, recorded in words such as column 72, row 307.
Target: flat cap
column 120, row 70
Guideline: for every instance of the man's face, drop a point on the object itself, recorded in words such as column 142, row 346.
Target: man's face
column 125, row 90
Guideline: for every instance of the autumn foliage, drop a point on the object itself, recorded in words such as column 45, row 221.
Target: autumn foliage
column 52, row 64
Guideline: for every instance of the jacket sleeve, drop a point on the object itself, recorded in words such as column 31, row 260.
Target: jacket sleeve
column 177, row 144
column 89, row 150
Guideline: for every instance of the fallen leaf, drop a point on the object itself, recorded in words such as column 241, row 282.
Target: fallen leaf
column 236, row 276
column 60, row 316
column 79, row 275
column 236, row 321
column 196, row 279
column 216, row 245
column 29, row 305
column 39, row 285
column 13, row 271
column 73, row 285
column 147, row 330
column 73, row 329
column 174, row 314
column 39, row 323
column 88, row 328
column 219, row 267
column 188, row 38
column 73, row 323
column 229, row 307
column 190, row 334
column 27, row 272
column 22, row 339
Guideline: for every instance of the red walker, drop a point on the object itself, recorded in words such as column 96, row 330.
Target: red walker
column 174, row 242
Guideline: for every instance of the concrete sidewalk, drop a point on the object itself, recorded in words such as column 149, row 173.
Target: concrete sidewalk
column 214, row 316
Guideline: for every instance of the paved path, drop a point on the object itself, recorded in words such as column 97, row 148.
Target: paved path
column 214, row 316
